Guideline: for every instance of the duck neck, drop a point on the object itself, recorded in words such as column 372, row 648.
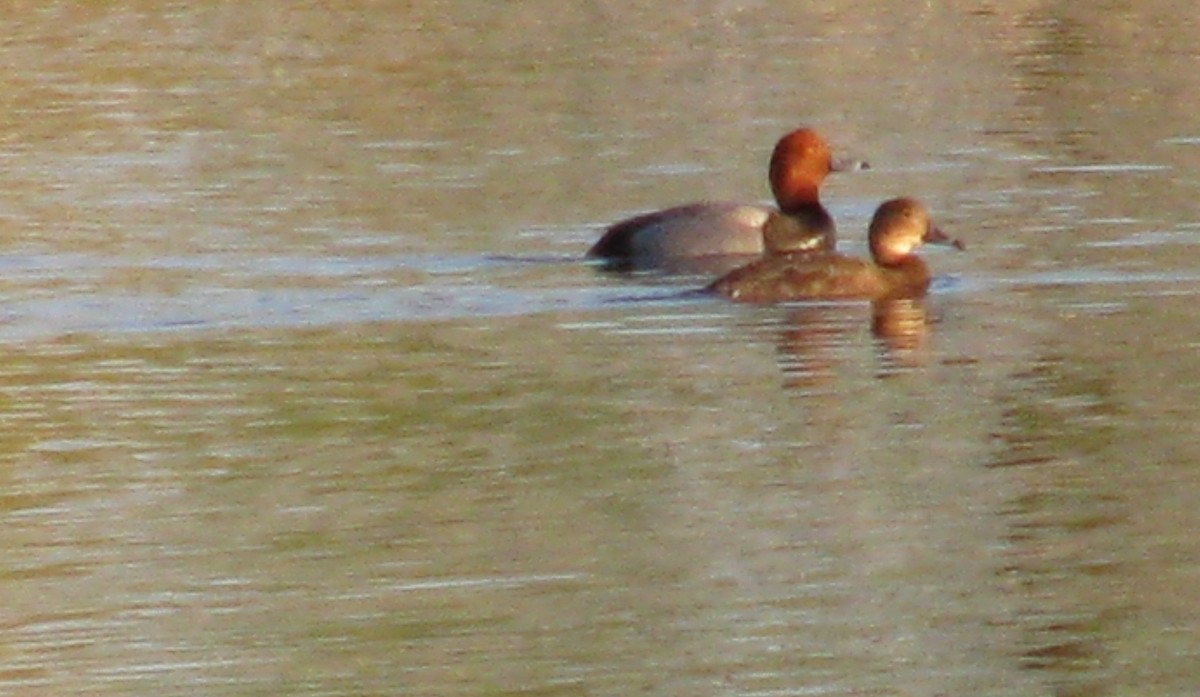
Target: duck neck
column 908, row 274
column 797, row 197
column 810, row 229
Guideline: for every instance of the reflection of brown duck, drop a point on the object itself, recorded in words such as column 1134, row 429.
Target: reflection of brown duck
column 799, row 164
column 899, row 228
column 809, row 341
column 902, row 326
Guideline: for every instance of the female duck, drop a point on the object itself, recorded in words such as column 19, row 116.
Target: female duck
column 899, row 227
column 799, row 164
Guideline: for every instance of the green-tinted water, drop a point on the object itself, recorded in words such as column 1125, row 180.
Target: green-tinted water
column 305, row 391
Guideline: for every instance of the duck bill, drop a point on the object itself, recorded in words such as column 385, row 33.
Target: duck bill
column 934, row 235
column 846, row 164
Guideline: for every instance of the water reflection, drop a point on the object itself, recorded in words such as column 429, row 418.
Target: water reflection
column 287, row 411
column 1060, row 519
column 813, row 338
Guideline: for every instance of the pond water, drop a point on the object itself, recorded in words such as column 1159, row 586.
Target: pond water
column 306, row 389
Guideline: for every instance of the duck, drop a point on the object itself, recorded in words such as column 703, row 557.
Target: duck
column 667, row 238
column 899, row 227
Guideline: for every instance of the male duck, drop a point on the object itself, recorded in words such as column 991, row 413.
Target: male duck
column 799, row 164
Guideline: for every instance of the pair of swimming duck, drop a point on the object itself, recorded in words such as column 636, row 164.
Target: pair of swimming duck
column 793, row 243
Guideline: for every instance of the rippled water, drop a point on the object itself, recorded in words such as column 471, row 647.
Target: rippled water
column 306, row 390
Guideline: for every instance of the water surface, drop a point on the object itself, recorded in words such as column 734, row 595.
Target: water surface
column 306, row 390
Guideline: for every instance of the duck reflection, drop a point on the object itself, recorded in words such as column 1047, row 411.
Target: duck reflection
column 901, row 326
column 812, row 336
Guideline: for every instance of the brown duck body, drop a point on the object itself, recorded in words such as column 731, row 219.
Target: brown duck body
column 802, row 276
column 899, row 227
